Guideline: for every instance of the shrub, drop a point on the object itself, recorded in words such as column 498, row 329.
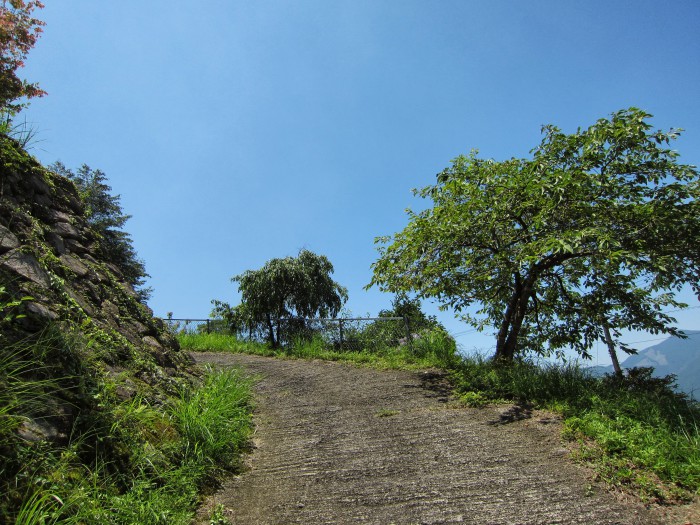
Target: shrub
column 437, row 342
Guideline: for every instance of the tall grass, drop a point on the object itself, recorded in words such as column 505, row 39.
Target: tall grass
column 214, row 420
column 40, row 507
column 218, row 342
column 22, row 390
column 127, row 461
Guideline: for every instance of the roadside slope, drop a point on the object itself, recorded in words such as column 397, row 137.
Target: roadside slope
column 340, row 444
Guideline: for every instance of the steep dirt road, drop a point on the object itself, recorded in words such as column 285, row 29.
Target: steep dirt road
column 338, row 444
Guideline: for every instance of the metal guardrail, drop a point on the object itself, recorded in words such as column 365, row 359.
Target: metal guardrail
column 347, row 320
column 173, row 321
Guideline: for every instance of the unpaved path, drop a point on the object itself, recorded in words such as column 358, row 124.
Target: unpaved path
column 338, row 444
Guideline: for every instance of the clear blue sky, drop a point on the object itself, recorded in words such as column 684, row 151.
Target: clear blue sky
column 239, row 131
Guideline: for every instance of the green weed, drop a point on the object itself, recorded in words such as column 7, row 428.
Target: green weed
column 127, row 461
column 474, row 399
column 437, row 344
column 214, row 420
column 39, row 507
column 23, row 391
column 217, row 516
column 217, row 342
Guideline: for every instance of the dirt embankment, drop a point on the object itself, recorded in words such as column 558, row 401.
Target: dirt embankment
column 338, row 444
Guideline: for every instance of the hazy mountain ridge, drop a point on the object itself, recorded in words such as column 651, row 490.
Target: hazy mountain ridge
column 680, row 357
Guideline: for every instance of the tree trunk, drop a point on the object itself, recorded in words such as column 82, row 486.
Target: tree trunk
column 511, row 344
column 507, row 342
column 611, row 350
column 271, row 331
column 507, row 322
column 505, row 326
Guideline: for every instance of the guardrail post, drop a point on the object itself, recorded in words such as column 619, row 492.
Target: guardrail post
column 409, row 338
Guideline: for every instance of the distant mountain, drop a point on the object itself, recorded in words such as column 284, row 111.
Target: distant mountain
column 680, row 357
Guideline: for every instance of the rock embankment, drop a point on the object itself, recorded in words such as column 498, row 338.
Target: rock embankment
column 49, row 252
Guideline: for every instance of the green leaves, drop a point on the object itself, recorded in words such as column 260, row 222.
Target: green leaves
column 590, row 227
column 9, row 306
column 290, row 287
column 104, row 213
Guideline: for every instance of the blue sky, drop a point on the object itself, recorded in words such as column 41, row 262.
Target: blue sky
column 236, row 131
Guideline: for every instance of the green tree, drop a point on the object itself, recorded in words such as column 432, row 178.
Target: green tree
column 290, row 287
column 410, row 309
column 393, row 333
column 104, row 213
column 19, row 31
column 594, row 232
column 238, row 320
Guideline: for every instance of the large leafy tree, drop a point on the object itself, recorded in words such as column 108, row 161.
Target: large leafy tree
column 289, row 287
column 590, row 235
column 19, row 31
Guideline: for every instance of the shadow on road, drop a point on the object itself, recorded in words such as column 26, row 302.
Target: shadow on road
column 434, row 384
column 515, row 413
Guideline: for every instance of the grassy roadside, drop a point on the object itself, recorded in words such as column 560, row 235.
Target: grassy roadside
column 437, row 355
column 125, row 460
column 637, row 433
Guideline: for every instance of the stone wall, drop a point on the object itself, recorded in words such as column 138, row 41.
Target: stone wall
column 49, row 252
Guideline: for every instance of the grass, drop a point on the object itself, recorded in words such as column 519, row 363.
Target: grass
column 419, row 356
column 134, row 460
column 22, row 391
column 216, row 342
column 214, row 421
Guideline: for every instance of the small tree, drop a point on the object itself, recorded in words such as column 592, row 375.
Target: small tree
column 410, row 309
column 591, row 234
column 19, row 31
column 394, row 333
column 235, row 320
column 290, row 287
column 104, row 213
